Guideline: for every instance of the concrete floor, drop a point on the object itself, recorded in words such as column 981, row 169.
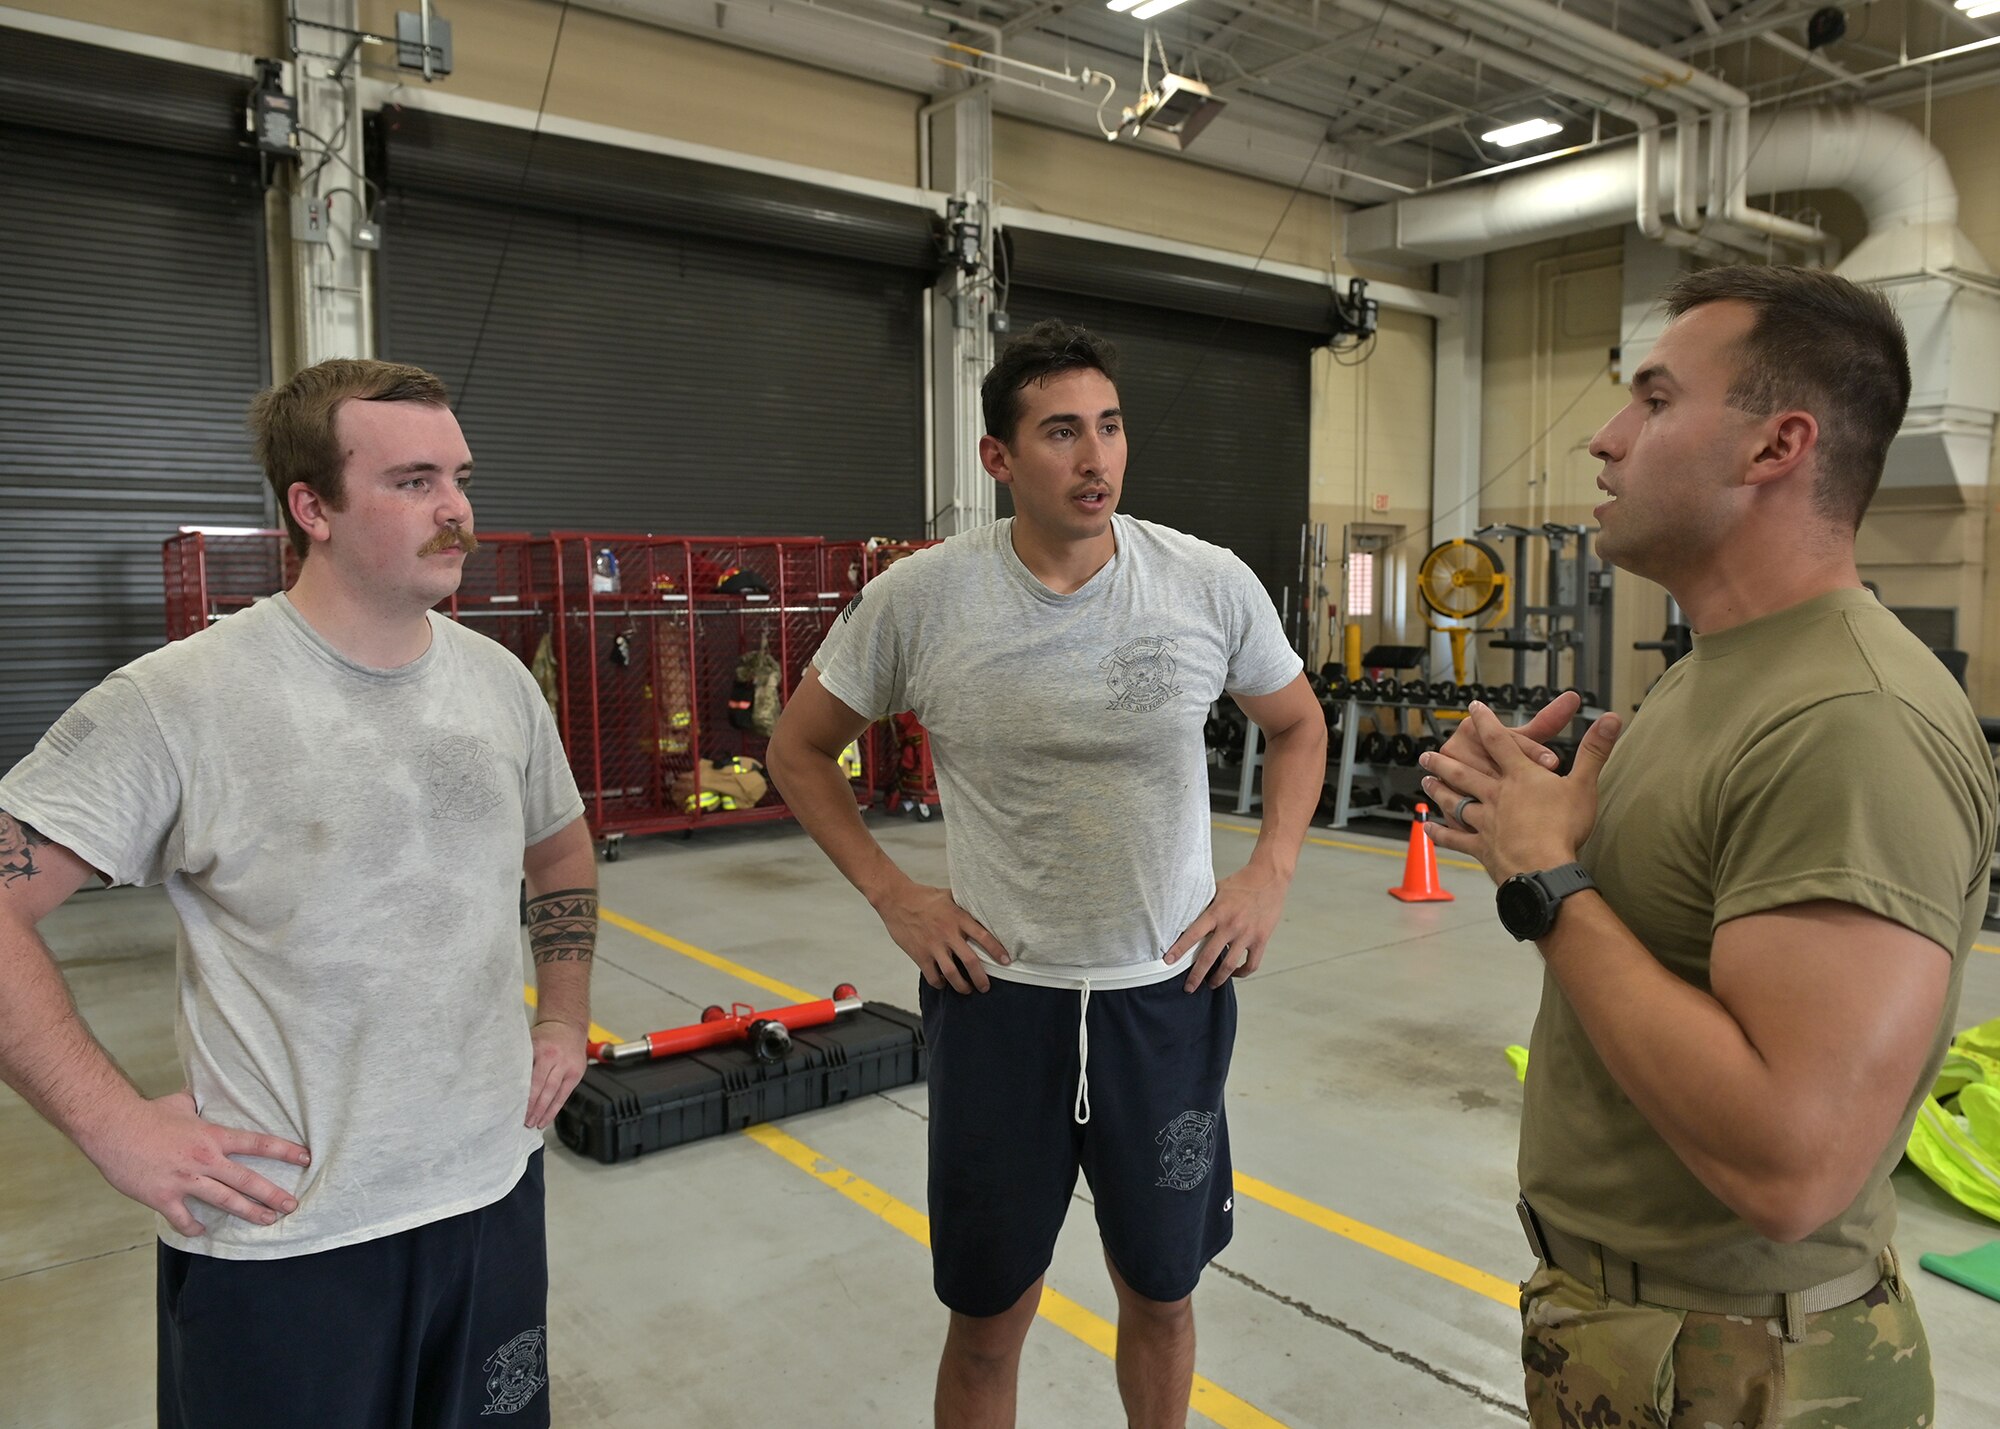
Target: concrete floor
column 722, row 1285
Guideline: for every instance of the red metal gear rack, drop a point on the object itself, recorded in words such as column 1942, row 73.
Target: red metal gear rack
column 904, row 774
column 649, row 637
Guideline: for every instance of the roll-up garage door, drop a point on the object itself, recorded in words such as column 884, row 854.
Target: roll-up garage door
column 1218, row 415
column 643, row 343
column 132, row 338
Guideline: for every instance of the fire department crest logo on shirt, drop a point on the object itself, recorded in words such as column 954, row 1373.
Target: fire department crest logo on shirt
column 1141, row 673
column 463, row 783
column 515, row 1373
column 1187, row 1150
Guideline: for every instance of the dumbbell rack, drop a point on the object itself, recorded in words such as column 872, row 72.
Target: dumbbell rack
column 1436, row 704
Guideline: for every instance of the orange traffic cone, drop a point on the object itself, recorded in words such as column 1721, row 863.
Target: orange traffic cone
column 1420, row 867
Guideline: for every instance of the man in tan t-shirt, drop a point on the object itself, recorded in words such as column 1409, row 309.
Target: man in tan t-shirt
column 1754, row 915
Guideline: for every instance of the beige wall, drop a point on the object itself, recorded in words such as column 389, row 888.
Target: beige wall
column 634, row 76
column 1371, row 441
column 1552, row 315
column 251, row 27
column 1127, row 187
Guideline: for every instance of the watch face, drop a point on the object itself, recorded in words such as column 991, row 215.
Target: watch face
column 1524, row 906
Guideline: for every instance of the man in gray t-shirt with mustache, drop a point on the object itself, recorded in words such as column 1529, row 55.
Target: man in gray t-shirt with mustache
column 340, row 791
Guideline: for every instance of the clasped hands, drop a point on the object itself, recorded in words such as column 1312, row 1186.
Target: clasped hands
column 1499, row 798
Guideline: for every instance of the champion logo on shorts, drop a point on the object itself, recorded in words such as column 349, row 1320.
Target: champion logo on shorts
column 1187, row 1150
column 516, row 1372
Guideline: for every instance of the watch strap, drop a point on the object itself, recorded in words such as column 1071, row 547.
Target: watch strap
column 1562, row 881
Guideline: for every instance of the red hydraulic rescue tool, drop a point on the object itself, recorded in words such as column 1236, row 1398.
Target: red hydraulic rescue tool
column 768, row 1033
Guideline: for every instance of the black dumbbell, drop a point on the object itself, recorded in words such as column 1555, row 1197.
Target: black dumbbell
column 1402, row 750
column 1372, row 747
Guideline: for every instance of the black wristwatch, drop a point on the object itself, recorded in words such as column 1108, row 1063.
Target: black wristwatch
column 1529, row 901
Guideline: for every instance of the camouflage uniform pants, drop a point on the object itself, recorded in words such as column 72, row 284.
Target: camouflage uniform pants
column 1596, row 1363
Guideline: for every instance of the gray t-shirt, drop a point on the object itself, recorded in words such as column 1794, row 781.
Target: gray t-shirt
column 343, row 846
column 1066, row 729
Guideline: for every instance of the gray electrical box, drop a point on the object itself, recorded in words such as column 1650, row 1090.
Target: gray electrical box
column 410, row 44
column 309, row 217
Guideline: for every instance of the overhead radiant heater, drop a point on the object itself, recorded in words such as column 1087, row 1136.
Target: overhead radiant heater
column 1171, row 113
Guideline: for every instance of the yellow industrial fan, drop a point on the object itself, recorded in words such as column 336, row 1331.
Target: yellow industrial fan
column 1460, row 582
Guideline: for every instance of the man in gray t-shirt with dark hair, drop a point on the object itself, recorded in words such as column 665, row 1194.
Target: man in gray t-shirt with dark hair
column 1076, row 990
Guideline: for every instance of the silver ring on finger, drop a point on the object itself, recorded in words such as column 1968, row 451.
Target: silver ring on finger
column 1458, row 814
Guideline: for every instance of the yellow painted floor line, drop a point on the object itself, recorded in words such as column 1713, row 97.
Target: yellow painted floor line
column 1984, row 948
column 1376, row 849
column 1395, row 1247
column 702, row 955
column 1208, row 1398
column 1297, row 1206
column 597, row 1034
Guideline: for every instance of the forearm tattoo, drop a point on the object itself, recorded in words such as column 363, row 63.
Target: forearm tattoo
column 562, row 926
column 18, row 842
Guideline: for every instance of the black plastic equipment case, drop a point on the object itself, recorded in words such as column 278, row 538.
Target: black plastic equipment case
column 617, row 1113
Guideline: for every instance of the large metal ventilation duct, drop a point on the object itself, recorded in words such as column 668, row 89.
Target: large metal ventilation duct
column 1940, row 283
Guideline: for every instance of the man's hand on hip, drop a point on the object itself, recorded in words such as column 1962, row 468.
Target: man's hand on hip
column 162, row 1154
column 559, row 1059
column 941, row 938
column 1235, row 927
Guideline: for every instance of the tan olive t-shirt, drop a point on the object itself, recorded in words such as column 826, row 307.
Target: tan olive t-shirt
column 1818, row 753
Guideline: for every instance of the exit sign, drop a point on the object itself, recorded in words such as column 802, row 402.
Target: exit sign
column 1380, row 501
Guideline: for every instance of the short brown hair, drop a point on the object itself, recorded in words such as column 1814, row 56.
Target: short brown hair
column 292, row 424
column 1050, row 348
column 1820, row 344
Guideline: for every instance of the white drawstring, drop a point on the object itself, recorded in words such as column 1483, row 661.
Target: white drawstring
column 1083, row 1059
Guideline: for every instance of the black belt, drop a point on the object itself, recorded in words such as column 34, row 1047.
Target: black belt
column 1625, row 1280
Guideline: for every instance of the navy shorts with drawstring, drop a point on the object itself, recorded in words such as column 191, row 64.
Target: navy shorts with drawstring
column 1005, row 1143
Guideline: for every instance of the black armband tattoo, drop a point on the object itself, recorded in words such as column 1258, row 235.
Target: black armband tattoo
column 562, row 926
column 18, row 842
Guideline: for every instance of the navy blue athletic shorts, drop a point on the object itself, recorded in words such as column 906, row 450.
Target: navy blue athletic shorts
column 1005, row 1145
column 439, row 1327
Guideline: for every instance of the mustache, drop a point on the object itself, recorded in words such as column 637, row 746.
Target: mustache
column 447, row 538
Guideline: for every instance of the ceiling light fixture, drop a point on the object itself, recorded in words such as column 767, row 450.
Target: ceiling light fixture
column 1514, row 135
column 1978, row 9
